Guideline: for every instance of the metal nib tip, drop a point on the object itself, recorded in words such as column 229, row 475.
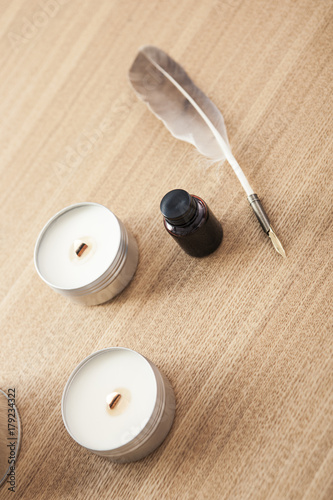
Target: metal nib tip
column 276, row 242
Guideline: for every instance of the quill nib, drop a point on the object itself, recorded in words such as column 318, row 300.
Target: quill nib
column 265, row 223
column 276, row 242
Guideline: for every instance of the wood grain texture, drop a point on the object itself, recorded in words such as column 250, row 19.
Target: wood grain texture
column 245, row 330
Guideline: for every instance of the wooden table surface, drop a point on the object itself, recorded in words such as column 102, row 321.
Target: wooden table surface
column 244, row 336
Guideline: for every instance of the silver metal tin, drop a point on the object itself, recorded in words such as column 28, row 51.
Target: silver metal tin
column 112, row 281
column 156, row 429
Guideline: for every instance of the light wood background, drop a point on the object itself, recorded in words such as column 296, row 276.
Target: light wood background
column 244, row 336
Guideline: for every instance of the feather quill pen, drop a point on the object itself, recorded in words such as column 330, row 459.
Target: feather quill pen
column 190, row 116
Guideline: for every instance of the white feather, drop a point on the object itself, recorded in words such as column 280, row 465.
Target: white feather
column 184, row 109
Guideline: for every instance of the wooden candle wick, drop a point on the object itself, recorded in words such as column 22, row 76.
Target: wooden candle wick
column 80, row 247
column 113, row 399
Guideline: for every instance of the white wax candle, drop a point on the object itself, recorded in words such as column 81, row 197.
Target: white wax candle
column 56, row 260
column 86, row 414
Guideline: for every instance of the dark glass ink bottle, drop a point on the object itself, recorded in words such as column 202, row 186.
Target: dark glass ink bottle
column 190, row 222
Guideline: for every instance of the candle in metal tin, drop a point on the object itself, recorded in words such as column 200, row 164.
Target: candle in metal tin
column 85, row 253
column 117, row 404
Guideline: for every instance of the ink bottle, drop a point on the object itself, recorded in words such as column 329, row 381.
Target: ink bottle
column 191, row 223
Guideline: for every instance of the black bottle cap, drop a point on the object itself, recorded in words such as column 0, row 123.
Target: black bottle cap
column 178, row 207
